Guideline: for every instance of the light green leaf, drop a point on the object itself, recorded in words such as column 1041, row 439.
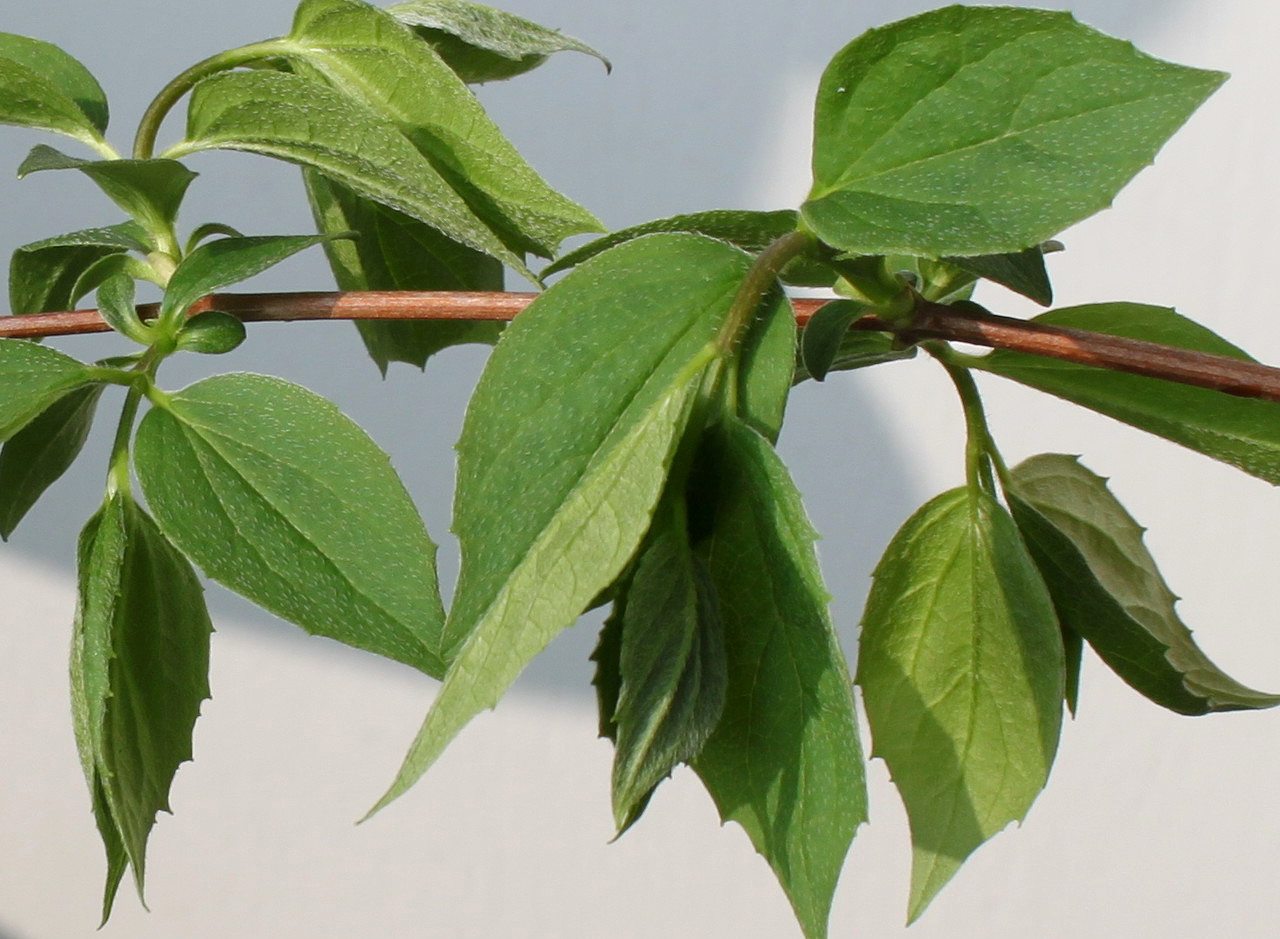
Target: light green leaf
column 226, row 261
column 1107, row 588
column 276, row 494
column 150, row 191
column 36, row 456
column 1020, row 271
column 482, row 44
column 983, row 130
column 308, row 123
column 139, row 670
column 43, row 275
column 579, row 412
column 370, row 58
column 671, row 665
column 31, row 379
column 396, row 252
column 784, row 761
column 1244, row 432
column 43, row 87
column 116, row 306
column 211, row 230
column 961, row 669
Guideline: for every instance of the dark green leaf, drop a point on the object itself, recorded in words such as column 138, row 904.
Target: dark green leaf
column 1241, row 431
column 824, row 335
column 149, row 190
column 41, row 86
column 211, row 333
column 396, row 252
column 671, row 665
column 116, row 306
column 308, row 123
column 859, row 350
column 379, row 65
column 226, row 261
column 961, row 668
column 139, row 670
column 275, row 493
column 1020, row 271
column 31, row 379
column 984, row 130
column 1107, row 588
column 43, row 275
column 482, row 44
column 579, row 411
column 784, row 761
column 36, row 456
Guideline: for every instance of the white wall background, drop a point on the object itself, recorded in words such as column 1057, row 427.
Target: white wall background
column 1152, row 824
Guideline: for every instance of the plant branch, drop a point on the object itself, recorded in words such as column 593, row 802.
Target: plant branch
column 1239, row 377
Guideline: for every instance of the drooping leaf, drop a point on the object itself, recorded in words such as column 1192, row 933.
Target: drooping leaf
column 982, row 130
column 1244, row 432
column 212, row 230
column 482, row 44
column 858, row 350
column 43, row 275
column 139, row 671
column 750, row 231
column 310, row 124
column 36, row 456
column 579, row 411
column 226, row 261
column 784, row 761
column 1020, row 271
column 824, row 335
column 276, row 494
column 32, row 378
column 149, row 190
column 961, row 668
column 43, row 87
column 376, row 62
column 116, row 306
column 671, row 665
column 396, row 252
column 1107, row 588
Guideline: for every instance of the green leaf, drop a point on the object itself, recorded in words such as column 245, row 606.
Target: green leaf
column 671, row 666
column 1021, row 271
column 1107, row 588
column 43, row 87
column 116, row 306
column 579, row 411
column 211, row 333
column 482, row 44
column 750, row 231
column 139, row 670
column 378, row 64
column 961, row 669
column 784, row 761
column 150, row 191
column 396, row 252
column 31, row 379
column 43, row 275
column 858, row 350
column 211, row 230
column 984, row 130
column 226, row 261
column 308, row 123
column 276, row 494
column 824, row 335
column 1244, row 432
column 36, row 456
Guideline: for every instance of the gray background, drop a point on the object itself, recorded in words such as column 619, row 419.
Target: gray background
column 1151, row 822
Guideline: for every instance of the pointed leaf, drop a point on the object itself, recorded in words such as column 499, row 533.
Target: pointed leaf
column 211, row 230
column 43, row 87
column 396, row 252
column 292, row 118
column 31, row 379
column 1107, row 588
column 482, row 44
column 43, row 275
column 1021, row 271
column 37, row 456
column 139, row 667
column 825, row 333
column 1244, row 432
column 276, row 494
column 579, row 411
column 370, row 58
column 961, row 669
column 859, row 350
column 982, row 130
column 784, row 762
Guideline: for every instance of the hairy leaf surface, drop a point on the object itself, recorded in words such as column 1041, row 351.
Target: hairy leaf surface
column 31, row 379
column 983, row 130
column 961, row 668
column 276, row 494
column 784, row 761
column 1244, row 432
column 1106, row 587
column 1020, row 271
column 44, row 276
column 43, row 87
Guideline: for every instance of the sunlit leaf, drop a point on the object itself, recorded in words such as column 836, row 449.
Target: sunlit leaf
column 43, row 87
column 32, row 378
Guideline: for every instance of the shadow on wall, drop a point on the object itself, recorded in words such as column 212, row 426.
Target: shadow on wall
column 688, row 120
